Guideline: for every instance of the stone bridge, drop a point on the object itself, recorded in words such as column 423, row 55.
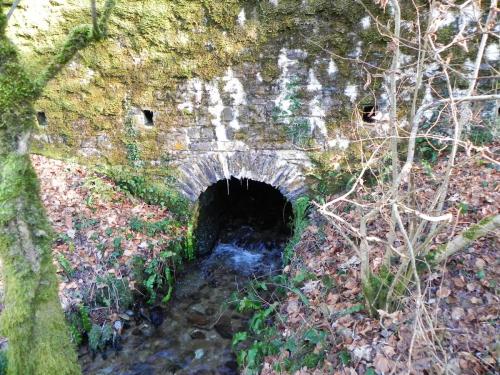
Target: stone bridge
column 240, row 125
column 216, row 89
column 282, row 170
column 227, row 91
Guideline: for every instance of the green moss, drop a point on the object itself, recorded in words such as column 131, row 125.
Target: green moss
column 270, row 71
column 471, row 233
column 300, row 223
column 197, row 39
column 159, row 192
column 446, row 34
column 376, row 290
column 240, row 135
column 333, row 172
column 431, row 256
column 32, row 320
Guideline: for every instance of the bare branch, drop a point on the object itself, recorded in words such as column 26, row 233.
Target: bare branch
column 424, row 216
column 79, row 38
column 95, row 24
column 12, row 9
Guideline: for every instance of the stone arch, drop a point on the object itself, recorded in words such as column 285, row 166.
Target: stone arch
column 282, row 170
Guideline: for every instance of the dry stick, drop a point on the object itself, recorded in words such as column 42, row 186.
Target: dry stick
column 416, row 122
column 412, row 202
column 465, row 144
column 429, row 238
column 419, row 299
column 457, row 132
column 353, row 231
column 419, row 317
column 345, row 237
column 448, row 217
column 383, row 30
column 364, row 252
column 393, row 108
column 358, row 180
column 356, row 60
column 432, row 327
column 409, row 163
column 419, row 76
column 399, row 273
column 467, row 97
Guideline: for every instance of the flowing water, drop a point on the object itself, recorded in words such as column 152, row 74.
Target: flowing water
column 195, row 337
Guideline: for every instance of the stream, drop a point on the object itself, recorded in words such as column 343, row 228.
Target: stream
column 195, row 337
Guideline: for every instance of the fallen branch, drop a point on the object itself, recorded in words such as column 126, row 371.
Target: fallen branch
column 464, row 239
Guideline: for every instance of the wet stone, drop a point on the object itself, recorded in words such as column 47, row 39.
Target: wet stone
column 224, row 328
column 143, row 330
column 202, row 370
column 169, row 355
column 198, row 308
column 141, row 369
column 107, row 371
column 210, row 311
column 198, row 335
column 198, row 319
column 229, row 368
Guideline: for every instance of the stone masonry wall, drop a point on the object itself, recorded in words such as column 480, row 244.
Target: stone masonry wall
column 210, row 88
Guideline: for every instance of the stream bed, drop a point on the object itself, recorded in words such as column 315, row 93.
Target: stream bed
column 195, row 337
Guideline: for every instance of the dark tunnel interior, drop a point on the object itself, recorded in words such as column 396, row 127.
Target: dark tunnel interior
column 229, row 206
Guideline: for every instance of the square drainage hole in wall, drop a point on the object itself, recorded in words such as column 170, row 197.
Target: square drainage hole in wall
column 41, row 118
column 148, row 117
column 369, row 113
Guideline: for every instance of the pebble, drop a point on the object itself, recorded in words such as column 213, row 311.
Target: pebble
column 199, row 353
column 124, row 316
column 118, row 326
column 198, row 335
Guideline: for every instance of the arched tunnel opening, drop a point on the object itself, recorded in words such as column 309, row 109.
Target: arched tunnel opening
column 246, row 219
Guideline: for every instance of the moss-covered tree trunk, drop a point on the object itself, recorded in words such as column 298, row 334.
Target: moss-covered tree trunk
column 32, row 320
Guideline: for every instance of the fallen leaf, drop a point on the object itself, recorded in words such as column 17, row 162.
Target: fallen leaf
column 443, row 292
column 476, row 301
column 459, row 282
column 457, row 313
column 480, row 263
column 381, row 363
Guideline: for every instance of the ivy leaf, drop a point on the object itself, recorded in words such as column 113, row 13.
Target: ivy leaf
column 301, row 295
column 251, row 357
column 314, row 336
column 239, row 337
column 291, row 345
column 345, row 357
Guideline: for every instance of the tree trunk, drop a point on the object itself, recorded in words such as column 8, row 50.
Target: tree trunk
column 32, row 320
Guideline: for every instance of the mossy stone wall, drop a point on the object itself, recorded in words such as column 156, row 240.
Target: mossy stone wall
column 215, row 74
